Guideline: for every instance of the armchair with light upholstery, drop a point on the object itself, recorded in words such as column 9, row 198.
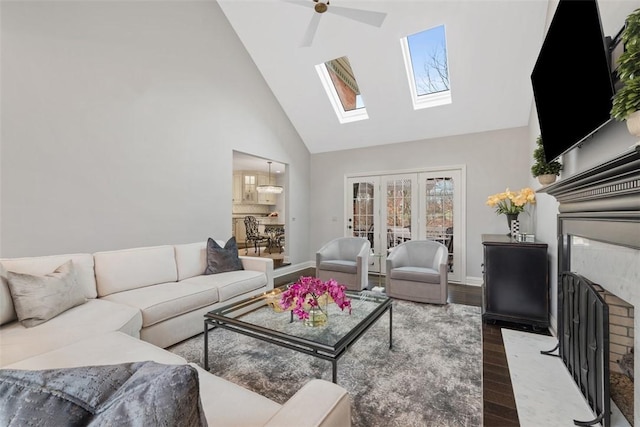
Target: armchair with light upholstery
column 417, row 271
column 345, row 259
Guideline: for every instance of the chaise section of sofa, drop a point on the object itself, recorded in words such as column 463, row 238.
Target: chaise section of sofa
column 318, row 403
column 94, row 317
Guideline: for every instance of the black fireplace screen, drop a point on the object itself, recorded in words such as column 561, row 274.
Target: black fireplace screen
column 584, row 342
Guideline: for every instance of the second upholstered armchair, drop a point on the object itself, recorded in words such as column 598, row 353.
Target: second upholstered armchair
column 417, row 271
column 345, row 259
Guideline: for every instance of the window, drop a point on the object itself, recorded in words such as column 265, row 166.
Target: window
column 341, row 86
column 425, row 57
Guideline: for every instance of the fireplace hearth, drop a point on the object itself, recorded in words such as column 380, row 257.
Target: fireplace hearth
column 599, row 238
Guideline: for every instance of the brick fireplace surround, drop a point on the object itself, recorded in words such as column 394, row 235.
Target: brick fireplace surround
column 599, row 238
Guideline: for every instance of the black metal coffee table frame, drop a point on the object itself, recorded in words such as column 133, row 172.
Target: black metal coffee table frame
column 217, row 319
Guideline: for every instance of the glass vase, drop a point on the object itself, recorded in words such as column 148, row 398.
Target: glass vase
column 317, row 313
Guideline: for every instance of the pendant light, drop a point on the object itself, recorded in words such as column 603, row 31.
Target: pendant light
column 271, row 189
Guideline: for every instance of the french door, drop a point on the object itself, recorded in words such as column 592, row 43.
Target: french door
column 390, row 209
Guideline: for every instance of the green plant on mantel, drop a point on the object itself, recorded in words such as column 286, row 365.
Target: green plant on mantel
column 626, row 101
column 541, row 166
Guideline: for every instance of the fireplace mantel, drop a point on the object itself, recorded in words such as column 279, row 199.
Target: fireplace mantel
column 602, row 203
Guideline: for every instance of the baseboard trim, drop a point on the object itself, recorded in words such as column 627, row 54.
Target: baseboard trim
column 474, row 281
column 289, row 269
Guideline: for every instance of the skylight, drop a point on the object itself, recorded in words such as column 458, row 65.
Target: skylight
column 341, row 86
column 425, row 58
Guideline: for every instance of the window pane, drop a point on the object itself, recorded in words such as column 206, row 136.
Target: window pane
column 428, row 50
column 345, row 83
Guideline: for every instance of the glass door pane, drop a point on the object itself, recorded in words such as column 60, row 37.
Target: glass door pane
column 362, row 212
column 400, row 203
column 441, row 198
column 363, row 202
column 439, row 212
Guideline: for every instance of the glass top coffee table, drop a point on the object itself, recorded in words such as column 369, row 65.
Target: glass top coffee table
column 257, row 318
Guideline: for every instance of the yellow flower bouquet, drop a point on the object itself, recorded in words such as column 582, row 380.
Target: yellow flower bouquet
column 512, row 202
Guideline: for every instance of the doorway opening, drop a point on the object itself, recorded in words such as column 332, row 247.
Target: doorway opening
column 259, row 218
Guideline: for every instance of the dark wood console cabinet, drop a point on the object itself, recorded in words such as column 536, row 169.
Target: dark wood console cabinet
column 516, row 281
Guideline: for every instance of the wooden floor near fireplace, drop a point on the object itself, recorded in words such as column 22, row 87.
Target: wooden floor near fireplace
column 499, row 404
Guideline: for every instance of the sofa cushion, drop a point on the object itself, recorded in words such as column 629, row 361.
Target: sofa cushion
column 231, row 283
column 122, row 270
column 191, row 259
column 167, row 300
column 103, row 349
column 222, row 259
column 226, row 404
column 39, row 298
column 122, row 394
column 95, row 317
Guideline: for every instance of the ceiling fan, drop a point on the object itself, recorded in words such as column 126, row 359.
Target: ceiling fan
column 321, row 6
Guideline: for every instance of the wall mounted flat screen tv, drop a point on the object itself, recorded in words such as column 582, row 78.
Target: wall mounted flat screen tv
column 572, row 81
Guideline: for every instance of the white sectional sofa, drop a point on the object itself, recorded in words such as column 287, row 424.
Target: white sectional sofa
column 142, row 300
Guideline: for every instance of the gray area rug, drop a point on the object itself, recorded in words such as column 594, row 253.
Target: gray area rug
column 431, row 377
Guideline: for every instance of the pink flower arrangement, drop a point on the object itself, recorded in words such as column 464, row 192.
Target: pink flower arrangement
column 307, row 290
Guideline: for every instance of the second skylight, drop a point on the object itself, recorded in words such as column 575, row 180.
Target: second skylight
column 425, row 55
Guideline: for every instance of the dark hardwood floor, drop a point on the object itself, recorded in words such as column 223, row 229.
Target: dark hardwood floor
column 499, row 405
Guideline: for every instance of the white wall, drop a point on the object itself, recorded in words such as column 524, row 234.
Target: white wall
column 611, row 140
column 118, row 125
column 494, row 160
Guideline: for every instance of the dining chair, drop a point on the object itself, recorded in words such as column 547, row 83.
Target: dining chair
column 253, row 235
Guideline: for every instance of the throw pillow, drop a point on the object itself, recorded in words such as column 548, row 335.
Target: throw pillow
column 37, row 299
column 131, row 394
column 7, row 312
column 221, row 259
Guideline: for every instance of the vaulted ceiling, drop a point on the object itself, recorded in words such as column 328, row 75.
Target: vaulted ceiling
column 491, row 46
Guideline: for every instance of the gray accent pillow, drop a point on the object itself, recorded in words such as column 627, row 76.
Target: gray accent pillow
column 7, row 312
column 37, row 299
column 129, row 394
column 221, row 259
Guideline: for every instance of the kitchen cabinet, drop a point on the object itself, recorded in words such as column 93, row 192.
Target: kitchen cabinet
column 245, row 188
column 240, row 231
column 249, row 183
column 237, row 188
column 516, row 281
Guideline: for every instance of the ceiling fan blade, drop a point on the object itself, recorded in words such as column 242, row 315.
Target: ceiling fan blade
column 305, row 3
column 311, row 30
column 365, row 16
